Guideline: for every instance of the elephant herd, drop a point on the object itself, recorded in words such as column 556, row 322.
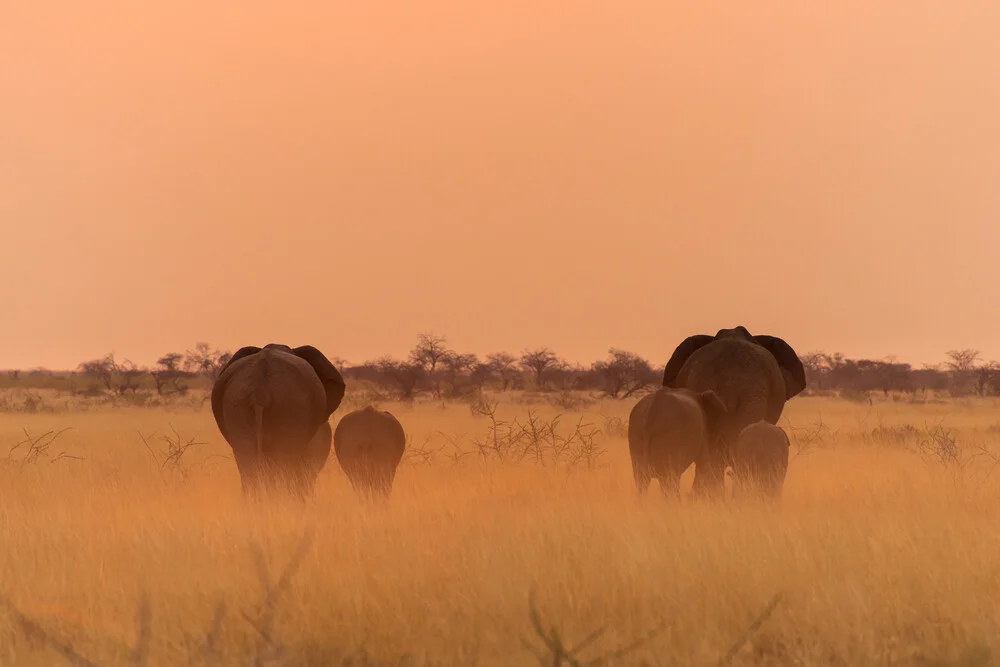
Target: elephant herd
column 718, row 407
column 273, row 406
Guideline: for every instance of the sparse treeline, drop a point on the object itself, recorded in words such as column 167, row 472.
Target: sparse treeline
column 433, row 368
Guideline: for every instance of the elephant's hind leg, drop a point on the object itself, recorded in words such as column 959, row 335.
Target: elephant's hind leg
column 642, row 476
column 670, row 486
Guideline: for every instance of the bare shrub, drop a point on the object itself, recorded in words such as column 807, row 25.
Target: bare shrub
column 34, row 449
column 856, row 396
column 25, row 400
column 615, row 426
column 169, row 457
column 571, row 401
column 899, row 435
column 940, row 444
column 536, row 439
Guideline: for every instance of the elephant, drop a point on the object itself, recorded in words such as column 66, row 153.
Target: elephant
column 753, row 375
column 667, row 431
column 369, row 445
column 760, row 461
column 273, row 405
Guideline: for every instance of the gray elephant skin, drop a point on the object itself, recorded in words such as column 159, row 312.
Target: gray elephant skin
column 760, row 461
column 272, row 406
column 753, row 375
column 668, row 430
column 369, row 445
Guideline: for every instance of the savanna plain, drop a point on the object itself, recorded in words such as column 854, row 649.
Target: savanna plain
column 513, row 536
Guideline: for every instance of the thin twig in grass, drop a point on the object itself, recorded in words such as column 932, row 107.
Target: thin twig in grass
column 727, row 659
column 31, row 628
column 558, row 654
column 144, row 621
column 38, row 447
column 209, row 649
column 267, row 647
column 172, row 458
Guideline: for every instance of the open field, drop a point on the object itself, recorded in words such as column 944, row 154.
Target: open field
column 884, row 551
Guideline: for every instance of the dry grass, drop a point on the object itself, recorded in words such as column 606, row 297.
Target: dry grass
column 885, row 549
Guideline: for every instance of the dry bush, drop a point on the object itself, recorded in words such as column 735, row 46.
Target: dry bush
column 169, row 452
column 616, row 426
column 34, row 449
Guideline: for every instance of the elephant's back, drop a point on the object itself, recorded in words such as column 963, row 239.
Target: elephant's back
column 369, row 433
column 745, row 376
column 283, row 387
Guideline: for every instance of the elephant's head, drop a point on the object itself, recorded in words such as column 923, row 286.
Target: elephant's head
column 333, row 382
column 788, row 361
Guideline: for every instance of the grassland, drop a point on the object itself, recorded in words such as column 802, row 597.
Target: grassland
column 885, row 550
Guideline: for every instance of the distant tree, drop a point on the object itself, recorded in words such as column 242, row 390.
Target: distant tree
column 962, row 365
column 987, row 377
column 171, row 361
column 480, row 375
column 538, row 362
column 203, row 360
column 168, row 374
column 624, row 373
column 962, row 361
column 405, row 376
column 429, row 352
column 117, row 377
column 817, row 369
column 457, row 371
column 504, row 366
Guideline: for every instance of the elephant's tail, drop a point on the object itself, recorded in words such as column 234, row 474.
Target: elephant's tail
column 258, row 416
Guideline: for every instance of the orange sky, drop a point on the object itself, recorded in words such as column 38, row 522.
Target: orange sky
column 509, row 174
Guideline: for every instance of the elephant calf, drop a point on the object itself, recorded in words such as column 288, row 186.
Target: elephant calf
column 760, row 461
column 669, row 430
column 369, row 445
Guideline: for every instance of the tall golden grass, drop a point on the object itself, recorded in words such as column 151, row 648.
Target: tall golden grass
column 885, row 549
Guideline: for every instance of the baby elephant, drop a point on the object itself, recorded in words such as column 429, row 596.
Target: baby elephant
column 669, row 430
column 369, row 445
column 760, row 461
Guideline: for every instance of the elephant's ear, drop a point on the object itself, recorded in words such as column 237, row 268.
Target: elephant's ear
column 680, row 357
column 332, row 381
column 240, row 353
column 217, row 395
column 713, row 408
column 791, row 368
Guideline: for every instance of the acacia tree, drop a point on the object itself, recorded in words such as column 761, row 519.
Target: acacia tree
column 404, row 375
column 538, row 362
column 624, row 373
column 504, row 366
column 457, row 371
column 962, row 364
column 429, row 354
column 168, row 374
column 203, row 360
column 117, row 377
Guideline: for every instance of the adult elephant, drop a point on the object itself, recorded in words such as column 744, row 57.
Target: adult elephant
column 752, row 375
column 272, row 405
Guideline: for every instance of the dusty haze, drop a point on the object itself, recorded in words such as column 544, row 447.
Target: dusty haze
column 512, row 175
